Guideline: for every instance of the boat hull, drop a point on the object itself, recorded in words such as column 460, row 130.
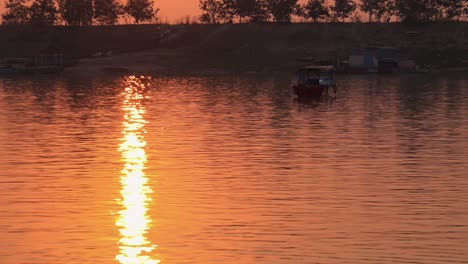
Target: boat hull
column 308, row 91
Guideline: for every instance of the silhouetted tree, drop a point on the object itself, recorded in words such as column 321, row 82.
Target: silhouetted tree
column 205, row 18
column 238, row 8
column 355, row 17
column 281, row 10
column 107, row 12
column 343, row 8
column 260, row 11
column 76, row 12
column 316, row 9
column 374, row 7
column 412, row 11
column 141, row 10
column 382, row 9
column 254, row 10
column 299, row 11
column 213, row 11
column 453, row 8
column 43, row 13
column 16, row 12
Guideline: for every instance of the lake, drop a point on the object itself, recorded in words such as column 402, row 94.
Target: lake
column 231, row 169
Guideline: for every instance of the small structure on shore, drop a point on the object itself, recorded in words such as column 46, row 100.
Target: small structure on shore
column 365, row 63
column 47, row 61
column 376, row 60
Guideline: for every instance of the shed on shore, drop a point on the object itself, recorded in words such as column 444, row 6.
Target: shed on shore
column 49, row 57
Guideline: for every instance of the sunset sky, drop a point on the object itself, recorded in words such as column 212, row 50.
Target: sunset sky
column 175, row 9
column 172, row 9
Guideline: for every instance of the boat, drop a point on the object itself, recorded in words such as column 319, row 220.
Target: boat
column 313, row 81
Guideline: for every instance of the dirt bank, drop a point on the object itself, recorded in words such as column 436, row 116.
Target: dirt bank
column 234, row 47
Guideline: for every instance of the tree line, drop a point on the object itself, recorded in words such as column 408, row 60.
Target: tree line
column 226, row 11
column 76, row 12
column 109, row 12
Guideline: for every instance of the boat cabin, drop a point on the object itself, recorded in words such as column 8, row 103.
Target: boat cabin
column 316, row 75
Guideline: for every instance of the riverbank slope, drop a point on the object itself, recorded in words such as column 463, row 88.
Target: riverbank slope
column 235, row 47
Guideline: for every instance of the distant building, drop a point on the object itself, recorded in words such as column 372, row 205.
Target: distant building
column 366, row 62
column 49, row 57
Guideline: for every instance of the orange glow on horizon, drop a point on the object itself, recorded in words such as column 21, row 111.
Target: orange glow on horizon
column 172, row 10
column 133, row 219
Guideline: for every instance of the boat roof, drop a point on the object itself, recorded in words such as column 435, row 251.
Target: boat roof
column 318, row 68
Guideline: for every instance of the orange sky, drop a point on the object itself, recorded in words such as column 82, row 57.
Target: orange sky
column 175, row 9
column 172, row 9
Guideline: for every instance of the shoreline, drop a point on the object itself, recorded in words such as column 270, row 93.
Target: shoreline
column 235, row 48
column 170, row 63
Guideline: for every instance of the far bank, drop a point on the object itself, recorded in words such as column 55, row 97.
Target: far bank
column 235, row 47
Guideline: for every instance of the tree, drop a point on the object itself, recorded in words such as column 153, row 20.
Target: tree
column 260, row 11
column 212, row 11
column 316, row 9
column 76, row 12
column 299, row 11
column 374, row 7
column 239, row 8
column 107, row 12
column 281, row 10
column 16, row 12
column 413, row 11
column 43, row 13
column 141, row 10
column 382, row 8
column 205, row 18
column 255, row 10
column 343, row 8
column 453, row 8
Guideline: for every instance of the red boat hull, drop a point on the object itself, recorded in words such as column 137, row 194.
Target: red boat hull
column 308, row 91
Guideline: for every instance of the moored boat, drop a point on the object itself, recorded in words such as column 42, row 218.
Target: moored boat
column 313, row 81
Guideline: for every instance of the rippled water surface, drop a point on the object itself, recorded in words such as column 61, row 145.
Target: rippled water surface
column 232, row 170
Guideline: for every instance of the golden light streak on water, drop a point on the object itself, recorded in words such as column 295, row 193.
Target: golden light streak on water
column 133, row 220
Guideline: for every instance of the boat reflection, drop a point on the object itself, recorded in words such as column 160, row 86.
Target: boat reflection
column 133, row 220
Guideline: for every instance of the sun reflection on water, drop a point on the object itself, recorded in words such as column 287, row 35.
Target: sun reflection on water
column 133, row 220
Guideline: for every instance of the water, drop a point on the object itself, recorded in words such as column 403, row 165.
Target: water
column 232, row 170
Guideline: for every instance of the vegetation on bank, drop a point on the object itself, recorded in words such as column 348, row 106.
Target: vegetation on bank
column 219, row 11
column 110, row 12
column 76, row 12
column 255, row 40
column 238, row 47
